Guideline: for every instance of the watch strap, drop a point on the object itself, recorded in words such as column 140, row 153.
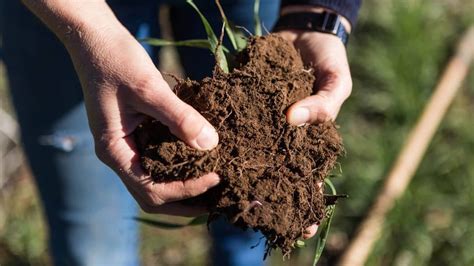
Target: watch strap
column 327, row 22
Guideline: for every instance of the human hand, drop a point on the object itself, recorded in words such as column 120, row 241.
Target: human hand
column 121, row 86
column 326, row 54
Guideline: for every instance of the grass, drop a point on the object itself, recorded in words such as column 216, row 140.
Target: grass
column 396, row 61
column 22, row 230
column 397, row 54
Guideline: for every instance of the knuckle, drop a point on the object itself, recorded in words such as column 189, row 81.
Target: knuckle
column 189, row 192
column 106, row 150
column 186, row 116
column 145, row 87
column 333, row 77
column 144, row 93
column 145, row 197
column 336, row 76
column 186, row 190
column 322, row 113
column 102, row 150
column 151, row 198
column 146, row 82
column 190, row 120
column 338, row 80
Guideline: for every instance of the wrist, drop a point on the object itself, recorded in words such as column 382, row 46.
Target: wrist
column 313, row 9
column 301, row 37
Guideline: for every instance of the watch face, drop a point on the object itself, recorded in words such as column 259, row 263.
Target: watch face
column 331, row 22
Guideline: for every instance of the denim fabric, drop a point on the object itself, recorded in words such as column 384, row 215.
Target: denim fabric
column 87, row 207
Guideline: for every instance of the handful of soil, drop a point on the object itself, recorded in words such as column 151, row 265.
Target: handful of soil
column 271, row 172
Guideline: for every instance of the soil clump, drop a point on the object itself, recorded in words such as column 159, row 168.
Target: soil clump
column 271, row 172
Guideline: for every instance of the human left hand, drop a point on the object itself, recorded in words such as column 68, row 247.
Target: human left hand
column 326, row 54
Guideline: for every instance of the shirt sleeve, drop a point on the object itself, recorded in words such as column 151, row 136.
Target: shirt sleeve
column 347, row 8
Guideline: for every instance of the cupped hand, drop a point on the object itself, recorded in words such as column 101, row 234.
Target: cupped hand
column 326, row 54
column 121, row 86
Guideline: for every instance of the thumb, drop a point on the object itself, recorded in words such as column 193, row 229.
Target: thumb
column 332, row 90
column 183, row 121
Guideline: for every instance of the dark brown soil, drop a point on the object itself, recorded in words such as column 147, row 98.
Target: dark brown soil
column 271, row 171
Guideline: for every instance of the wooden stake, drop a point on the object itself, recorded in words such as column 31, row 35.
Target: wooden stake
column 412, row 153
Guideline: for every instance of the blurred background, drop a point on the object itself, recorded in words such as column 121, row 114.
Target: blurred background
column 397, row 53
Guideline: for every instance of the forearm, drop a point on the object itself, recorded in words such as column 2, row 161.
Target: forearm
column 78, row 24
column 90, row 32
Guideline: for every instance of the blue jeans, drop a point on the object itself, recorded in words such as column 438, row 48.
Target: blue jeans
column 87, row 207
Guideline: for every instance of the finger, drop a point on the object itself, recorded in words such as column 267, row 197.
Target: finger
column 173, row 208
column 154, row 197
column 157, row 193
column 179, row 190
column 164, row 197
column 313, row 229
column 310, row 231
column 159, row 102
column 333, row 90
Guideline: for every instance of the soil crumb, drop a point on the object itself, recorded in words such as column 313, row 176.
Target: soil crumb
column 271, row 172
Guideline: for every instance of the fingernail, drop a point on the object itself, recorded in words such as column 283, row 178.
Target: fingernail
column 299, row 116
column 207, row 138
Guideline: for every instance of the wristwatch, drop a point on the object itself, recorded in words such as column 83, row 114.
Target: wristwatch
column 327, row 22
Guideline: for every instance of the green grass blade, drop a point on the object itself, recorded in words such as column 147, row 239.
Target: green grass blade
column 256, row 17
column 165, row 225
column 198, row 43
column 232, row 36
column 236, row 36
column 228, row 27
column 199, row 220
column 195, row 43
column 212, row 37
column 159, row 224
column 240, row 38
column 331, row 186
column 213, row 41
column 323, row 230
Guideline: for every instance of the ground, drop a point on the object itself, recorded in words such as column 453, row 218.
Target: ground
column 397, row 53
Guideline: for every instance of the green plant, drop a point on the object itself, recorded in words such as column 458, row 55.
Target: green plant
column 323, row 229
column 213, row 43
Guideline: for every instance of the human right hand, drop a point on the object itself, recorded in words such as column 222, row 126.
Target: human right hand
column 121, row 87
